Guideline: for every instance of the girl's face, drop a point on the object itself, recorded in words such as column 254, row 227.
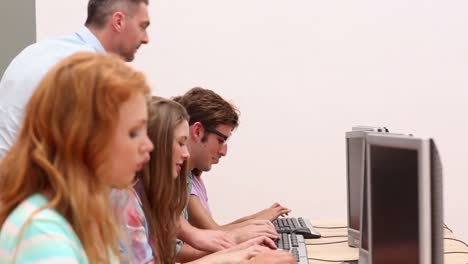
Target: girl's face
column 130, row 146
column 179, row 148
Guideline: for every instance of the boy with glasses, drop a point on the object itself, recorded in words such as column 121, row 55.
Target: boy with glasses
column 212, row 120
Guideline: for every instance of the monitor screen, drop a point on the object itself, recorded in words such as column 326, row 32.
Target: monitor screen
column 393, row 205
column 355, row 163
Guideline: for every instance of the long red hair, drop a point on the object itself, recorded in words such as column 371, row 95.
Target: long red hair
column 68, row 124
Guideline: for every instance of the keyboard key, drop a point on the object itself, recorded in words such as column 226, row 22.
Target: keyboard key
column 298, row 225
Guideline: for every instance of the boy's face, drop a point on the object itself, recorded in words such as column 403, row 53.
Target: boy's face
column 208, row 146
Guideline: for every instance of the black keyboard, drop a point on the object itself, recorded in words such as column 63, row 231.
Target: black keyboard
column 298, row 225
column 295, row 244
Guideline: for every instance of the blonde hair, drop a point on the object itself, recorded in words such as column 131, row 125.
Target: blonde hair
column 163, row 197
column 68, row 125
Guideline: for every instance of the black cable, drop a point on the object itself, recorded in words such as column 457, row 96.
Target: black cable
column 445, row 226
column 330, row 227
column 327, row 243
column 458, row 240
column 334, row 236
column 327, row 260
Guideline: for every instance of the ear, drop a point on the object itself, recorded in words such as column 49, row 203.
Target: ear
column 118, row 21
column 196, row 131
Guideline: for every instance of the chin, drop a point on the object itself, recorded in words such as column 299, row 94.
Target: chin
column 128, row 182
column 128, row 57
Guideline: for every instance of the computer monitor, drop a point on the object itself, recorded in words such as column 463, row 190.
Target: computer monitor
column 355, row 171
column 404, row 222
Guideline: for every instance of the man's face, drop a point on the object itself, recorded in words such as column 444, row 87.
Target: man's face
column 210, row 146
column 134, row 33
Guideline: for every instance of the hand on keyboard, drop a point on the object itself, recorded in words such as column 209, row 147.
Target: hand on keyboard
column 250, row 252
column 273, row 212
column 261, row 240
column 211, row 240
column 253, row 229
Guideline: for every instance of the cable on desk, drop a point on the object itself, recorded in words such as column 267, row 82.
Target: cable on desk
column 458, row 240
column 445, row 226
column 334, row 236
column 327, row 243
column 456, row 252
column 327, row 260
column 330, row 227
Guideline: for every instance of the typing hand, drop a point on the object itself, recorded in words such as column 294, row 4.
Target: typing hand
column 261, row 240
column 212, row 240
column 275, row 211
column 272, row 257
column 233, row 256
column 239, row 254
column 253, row 229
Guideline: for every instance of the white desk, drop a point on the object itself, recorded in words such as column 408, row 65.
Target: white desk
column 333, row 246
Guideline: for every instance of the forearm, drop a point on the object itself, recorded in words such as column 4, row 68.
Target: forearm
column 204, row 222
column 186, row 231
column 205, row 240
column 188, row 253
column 244, row 219
column 234, row 225
column 199, row 216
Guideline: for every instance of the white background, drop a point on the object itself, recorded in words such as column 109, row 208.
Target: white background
column 303, row 72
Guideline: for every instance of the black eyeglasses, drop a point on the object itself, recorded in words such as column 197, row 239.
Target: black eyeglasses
column 216, row 132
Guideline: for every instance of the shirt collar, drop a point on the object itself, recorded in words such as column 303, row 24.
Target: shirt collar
column 89, row 38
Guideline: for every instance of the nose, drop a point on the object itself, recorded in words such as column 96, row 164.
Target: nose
column 185, row 153
column 147, row 145
column 145, row 38
column 223, row 150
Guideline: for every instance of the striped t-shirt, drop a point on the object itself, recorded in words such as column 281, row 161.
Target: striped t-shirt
column 47, row 238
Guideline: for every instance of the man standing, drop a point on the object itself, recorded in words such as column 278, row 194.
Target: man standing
column 115, row 26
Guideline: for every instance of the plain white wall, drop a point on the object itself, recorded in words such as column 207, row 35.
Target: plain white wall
column 302, row 73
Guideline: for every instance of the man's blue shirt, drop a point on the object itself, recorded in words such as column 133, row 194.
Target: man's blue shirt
column 25, row 72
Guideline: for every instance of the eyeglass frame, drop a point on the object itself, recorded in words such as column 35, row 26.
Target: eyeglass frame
column 218, row 133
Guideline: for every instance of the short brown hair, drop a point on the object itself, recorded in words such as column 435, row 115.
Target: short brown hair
column 207, row 107
column 100, row 10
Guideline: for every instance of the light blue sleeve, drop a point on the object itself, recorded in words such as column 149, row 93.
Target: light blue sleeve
column 49, row 241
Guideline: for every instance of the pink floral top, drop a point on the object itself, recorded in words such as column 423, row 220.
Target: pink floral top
column 135, row 247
